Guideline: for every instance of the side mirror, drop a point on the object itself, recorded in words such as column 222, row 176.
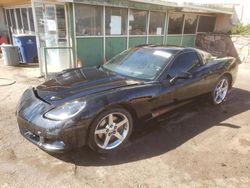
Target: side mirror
column 180, row 75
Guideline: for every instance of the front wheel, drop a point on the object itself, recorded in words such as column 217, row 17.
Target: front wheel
column 220, row 91
column 110, row 130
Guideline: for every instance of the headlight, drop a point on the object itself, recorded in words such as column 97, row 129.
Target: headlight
column 66, row 111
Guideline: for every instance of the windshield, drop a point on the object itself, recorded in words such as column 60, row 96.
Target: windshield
column 141, row 63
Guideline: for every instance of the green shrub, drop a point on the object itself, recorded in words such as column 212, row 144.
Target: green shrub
column 241, row 29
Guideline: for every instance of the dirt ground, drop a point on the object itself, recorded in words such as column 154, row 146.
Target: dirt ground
column 198, row 146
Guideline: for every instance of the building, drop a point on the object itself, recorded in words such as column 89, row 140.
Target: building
column 89, row 32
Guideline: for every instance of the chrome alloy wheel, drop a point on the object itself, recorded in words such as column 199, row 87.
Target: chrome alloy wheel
column 111, row 130
column 221, row 90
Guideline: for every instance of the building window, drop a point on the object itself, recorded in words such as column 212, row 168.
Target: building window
column 13, row 21
column 156, row 25
column 175, row 23
column 190, row 24
column 25, row 20
column 61, row 24
column 116, row 21
column 206, row 24
column 89, row 20
column 8, row 17
column 19, row 19
column 32, row 27
column 39, row 19
column 138, row 22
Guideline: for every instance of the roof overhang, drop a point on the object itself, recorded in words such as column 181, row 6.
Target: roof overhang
column 185, row 7
column 191, row 7
column 5, row 3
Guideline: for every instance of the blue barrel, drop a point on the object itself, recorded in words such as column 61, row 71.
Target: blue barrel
column 27, row 47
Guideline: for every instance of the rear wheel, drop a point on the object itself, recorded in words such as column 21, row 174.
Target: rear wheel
column 220, row 91
column 110, row 130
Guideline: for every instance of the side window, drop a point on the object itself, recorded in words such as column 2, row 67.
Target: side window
column 185, row 62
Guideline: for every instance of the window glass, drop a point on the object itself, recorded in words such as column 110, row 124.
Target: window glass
column 175, row 23
column 89, row 20
column 19, row 19
column 32, row 27
column 13, row 21
column 50, row 25
column 40, row 24
column 8, row 17
column 156, row 25
column 61, row 25
column 190, row 24
column 184, row 63
column 4, row 16
column 206, row 24
column 25, row 20
column 39, row 19
column 5, row 29
column 116, row 21
column 138, row 22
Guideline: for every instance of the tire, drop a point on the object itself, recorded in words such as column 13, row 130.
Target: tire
column 110, row 130
column 220, row 90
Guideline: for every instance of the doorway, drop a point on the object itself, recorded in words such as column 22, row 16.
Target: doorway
column 55, row 53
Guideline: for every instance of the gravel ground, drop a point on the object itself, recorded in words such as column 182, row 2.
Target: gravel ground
column 198, row 146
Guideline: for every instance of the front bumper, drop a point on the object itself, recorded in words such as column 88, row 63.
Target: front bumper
column 65, row 140
column 49, row 135
column 39, row 140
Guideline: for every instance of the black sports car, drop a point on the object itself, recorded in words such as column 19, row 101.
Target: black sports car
column 99, row 105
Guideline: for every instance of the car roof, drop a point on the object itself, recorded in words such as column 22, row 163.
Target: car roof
column 170, row 49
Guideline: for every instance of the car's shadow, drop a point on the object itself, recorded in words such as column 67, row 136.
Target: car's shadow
column 167, row 132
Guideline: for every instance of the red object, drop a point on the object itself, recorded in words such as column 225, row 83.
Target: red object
column 4, row 40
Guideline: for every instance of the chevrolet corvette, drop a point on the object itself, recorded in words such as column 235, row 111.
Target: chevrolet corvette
column 98, row 106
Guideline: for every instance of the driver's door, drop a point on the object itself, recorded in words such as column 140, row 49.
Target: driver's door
column 183, row 90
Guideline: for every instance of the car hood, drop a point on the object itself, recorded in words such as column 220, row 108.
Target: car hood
column 80, row 82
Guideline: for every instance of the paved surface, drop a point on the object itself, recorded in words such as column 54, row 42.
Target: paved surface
column 198, row 146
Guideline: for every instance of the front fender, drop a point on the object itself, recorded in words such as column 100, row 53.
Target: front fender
column 137, row 98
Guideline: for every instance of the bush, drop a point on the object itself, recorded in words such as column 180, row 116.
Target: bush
column 241, row 29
